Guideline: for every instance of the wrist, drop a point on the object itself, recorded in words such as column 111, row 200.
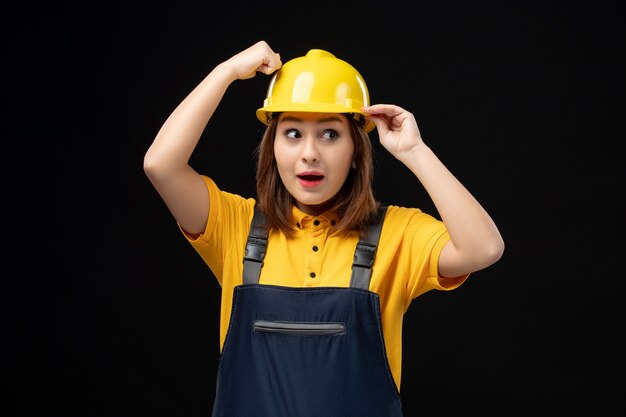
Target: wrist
column 225, row 72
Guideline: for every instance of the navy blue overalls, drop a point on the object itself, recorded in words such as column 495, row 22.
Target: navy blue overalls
column 305, row 352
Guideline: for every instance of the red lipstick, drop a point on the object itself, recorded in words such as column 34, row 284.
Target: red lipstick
column 310, row 179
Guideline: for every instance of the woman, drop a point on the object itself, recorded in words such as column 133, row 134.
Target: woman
column 316, row 274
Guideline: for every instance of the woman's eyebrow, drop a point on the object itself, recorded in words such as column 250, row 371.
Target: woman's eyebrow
column 323, row 120
column 330, row 119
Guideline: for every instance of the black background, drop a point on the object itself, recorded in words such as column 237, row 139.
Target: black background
column 109, row 312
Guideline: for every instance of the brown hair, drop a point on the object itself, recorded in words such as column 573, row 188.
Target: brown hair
column 354, row 203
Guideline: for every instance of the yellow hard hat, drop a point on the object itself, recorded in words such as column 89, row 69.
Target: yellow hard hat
column 318, row 82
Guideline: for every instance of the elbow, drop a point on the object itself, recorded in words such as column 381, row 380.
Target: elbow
column 497, row 252
column 154, row 168
column 493, row 252
column 149, row 165
column 161, row 170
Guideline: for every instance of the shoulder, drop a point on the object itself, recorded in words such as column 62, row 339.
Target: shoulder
column 397, row 216
column 225, row 203
column 229, row 214
column 410, row 225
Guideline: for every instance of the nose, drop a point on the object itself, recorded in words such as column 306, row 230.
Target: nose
column 309, row 151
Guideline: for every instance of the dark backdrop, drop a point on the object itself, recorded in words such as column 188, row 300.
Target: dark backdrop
column 109, row 312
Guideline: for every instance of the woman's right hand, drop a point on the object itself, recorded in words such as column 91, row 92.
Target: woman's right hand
column 257, row 58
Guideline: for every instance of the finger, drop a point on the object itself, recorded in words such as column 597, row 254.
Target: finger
column 389, row 110
column 271, row 64
column 381, row 124
column 266, row 69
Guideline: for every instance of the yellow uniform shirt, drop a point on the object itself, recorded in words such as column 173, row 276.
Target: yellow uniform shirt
column 404, row 268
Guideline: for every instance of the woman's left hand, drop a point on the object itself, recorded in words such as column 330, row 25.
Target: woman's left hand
column 397, row 129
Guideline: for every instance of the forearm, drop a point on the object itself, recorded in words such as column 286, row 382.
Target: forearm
column 179, row 135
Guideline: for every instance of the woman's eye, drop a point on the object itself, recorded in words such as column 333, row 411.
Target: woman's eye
column 293, row 134
column 330, row 134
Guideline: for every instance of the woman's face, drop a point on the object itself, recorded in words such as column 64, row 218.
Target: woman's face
column 314, row 154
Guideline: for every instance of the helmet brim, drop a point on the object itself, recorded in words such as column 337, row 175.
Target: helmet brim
column 264, row 114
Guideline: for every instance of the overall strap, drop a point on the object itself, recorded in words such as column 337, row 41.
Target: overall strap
column 365, row 252
column 255, row 248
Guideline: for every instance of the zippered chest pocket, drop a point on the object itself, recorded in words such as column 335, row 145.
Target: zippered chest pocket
column 290, row 328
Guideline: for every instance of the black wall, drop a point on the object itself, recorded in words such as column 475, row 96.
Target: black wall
column 109, row 312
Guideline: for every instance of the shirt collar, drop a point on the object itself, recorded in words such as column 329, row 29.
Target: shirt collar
column 302, row 220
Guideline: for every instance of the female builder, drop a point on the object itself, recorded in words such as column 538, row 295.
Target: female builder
column 313, row 293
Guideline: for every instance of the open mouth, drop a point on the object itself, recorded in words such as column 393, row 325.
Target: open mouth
column 310, row 180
